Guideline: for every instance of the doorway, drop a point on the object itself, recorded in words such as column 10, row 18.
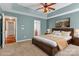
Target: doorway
column 10, row 29
column 37, row 27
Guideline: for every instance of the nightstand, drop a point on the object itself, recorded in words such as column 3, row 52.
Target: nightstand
column 76, row 41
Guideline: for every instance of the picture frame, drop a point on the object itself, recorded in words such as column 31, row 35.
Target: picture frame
column 63, row 23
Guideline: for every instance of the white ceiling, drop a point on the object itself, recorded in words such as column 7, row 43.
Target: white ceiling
column 35, row 6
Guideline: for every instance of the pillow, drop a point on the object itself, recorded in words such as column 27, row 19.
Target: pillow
column 67, row 37
column 56, row 33
column 49, row 36
column 65, row 33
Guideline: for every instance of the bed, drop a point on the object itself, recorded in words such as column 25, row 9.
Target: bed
column 50, row 46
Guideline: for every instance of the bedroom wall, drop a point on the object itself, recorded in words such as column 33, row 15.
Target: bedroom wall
column 0, row 10
column 74, row 20
column 28, row 22
column 74, row 17
column 22, row 19
column 50, row 23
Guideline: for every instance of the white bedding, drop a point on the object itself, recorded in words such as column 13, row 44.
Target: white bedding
column 65, row 37
column 50, row 42
column 44, row 40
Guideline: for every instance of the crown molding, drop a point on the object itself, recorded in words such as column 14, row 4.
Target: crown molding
column 60, row 8
column 38, row 16
column 29, row 14
column 8, row 8
column 65, row 13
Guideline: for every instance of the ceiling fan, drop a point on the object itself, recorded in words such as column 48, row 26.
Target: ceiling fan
column 46, row 7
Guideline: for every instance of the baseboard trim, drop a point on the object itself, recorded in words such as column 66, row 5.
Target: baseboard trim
column 23, row 40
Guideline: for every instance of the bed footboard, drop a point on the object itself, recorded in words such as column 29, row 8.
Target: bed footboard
column 51, row 51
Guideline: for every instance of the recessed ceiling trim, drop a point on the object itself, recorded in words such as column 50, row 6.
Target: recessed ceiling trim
column 34, row 8
column 22, row 13
column 14, row 11
column 61, row 7
column 65, row 13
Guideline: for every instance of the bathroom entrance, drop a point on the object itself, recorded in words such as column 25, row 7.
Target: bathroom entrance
column 10, row 29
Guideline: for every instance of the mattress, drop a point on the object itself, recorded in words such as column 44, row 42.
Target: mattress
column 47, row 41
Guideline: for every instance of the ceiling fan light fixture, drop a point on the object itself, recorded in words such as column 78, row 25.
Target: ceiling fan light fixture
column 46, row 7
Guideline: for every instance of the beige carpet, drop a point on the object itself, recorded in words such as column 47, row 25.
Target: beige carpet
column 71, row 50
column 21, row 49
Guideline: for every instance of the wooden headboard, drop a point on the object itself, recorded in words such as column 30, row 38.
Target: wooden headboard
column 65, row 29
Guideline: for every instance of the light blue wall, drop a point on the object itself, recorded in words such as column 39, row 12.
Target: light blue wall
column 74, row 20
column 0, row 10
column 74, row 17
column 28, row 23
column 50, row 23
column 43, row 26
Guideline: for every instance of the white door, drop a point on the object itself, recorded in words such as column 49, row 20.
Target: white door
column 37, row 27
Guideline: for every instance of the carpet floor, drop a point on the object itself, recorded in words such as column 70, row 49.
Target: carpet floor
column 25, row 48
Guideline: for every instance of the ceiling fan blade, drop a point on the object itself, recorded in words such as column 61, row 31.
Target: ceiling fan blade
column 51, row 8
column 51, row 4
column 39, row 8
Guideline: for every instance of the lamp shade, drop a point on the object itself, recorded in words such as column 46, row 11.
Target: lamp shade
column 76, row 32
column 48, row 30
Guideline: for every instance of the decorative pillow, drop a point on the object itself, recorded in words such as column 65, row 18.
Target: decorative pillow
column 56, row 33
column 64, row 33
column 49, row 36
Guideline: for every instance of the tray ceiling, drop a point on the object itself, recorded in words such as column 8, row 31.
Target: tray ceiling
column 35, row 6
column 31, row 7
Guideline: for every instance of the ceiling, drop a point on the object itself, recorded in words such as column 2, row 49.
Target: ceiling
column 35, row 6
column 31, row 8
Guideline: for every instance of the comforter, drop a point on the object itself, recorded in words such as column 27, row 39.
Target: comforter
column 53, row 41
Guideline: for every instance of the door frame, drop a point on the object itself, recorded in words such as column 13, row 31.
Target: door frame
column 4, row 16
